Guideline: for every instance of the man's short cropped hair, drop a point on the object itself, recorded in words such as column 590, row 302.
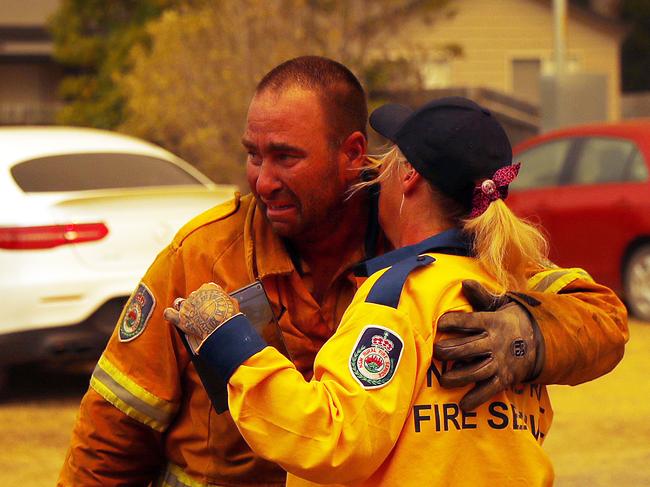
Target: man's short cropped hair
column 343, row 97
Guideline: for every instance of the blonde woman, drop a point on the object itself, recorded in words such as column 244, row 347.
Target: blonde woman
column 374, row 412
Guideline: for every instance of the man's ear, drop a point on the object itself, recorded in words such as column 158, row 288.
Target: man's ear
column 410, row 178
column 354, row 149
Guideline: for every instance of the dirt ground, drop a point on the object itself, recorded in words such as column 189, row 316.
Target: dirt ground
column 601, row 430
column 600, row 435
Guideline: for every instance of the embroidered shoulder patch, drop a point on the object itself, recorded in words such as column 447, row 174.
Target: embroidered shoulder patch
column 376, row 356
column 137, row 313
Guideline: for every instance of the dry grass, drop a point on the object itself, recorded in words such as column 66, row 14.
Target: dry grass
column 35, row 423
column 601, row 430
column 600, row 436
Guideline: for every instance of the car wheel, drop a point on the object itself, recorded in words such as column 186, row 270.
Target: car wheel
column 636, row 283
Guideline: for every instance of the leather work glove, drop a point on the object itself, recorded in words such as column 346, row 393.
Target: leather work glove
column 497, row 346
column 202, row 312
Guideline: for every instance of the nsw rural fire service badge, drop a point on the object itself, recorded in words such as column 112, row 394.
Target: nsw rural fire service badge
column 137, row 313
column 376, row 356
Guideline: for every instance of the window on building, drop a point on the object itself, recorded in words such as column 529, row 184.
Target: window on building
column 525, row 79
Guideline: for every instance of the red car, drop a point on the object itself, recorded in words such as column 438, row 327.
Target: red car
column 589, row 188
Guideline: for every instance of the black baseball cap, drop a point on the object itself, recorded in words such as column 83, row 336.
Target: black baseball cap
column 453, row 142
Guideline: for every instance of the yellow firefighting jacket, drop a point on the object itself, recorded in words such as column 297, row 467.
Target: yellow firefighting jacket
column 374, row 413
column 146, row 416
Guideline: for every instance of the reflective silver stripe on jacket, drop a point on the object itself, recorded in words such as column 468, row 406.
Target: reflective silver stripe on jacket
column 130, row 398
column 555, row 280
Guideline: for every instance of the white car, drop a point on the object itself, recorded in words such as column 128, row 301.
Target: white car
column 83, row 213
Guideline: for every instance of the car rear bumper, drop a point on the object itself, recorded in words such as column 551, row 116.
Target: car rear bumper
column 39, row 291
column 63, row 344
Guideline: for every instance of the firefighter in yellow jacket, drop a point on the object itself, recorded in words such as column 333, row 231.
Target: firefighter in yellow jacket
column 375, row 412
column 146, row 416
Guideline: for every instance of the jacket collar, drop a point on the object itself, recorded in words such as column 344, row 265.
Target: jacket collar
column 448, row 242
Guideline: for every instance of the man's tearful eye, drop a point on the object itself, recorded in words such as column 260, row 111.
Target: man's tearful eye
column 288, row 158
column 254, row 158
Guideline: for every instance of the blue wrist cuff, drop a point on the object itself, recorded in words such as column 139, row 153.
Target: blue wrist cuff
column 231, row 345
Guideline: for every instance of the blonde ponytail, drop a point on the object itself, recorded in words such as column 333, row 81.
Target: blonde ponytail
column 505, row 245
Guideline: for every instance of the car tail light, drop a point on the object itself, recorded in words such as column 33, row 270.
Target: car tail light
column 46, row 237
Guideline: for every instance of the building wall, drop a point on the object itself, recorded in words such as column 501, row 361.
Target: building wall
column 28, row 75
column 28, row 90
column 26, row 12
column 636, row 105
column 492, row 34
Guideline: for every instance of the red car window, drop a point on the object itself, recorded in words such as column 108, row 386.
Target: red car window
column 638, row 170
column 542, row 165
column 602, row 160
